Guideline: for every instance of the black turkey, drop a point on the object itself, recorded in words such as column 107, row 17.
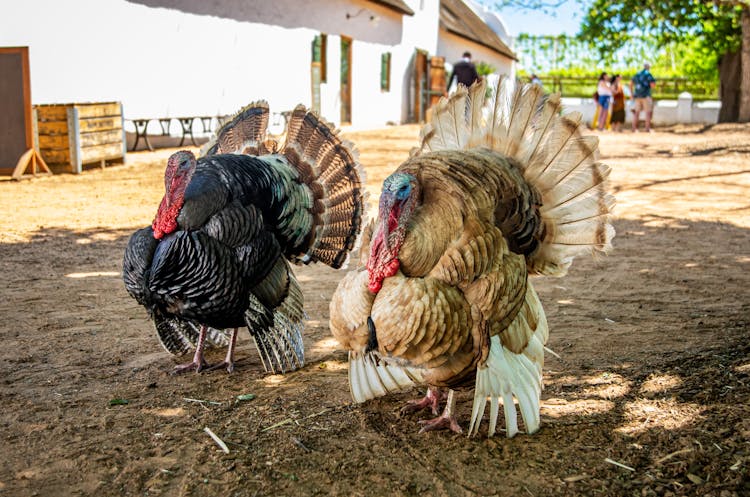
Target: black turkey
column 218, row 253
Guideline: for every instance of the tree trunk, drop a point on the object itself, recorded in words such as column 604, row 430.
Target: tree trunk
column 729, row 87
column 744, row 107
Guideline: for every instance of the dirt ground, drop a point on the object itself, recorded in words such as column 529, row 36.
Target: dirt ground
column 650, row 395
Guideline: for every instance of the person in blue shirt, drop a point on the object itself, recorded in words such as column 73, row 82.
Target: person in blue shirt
column 640, row 91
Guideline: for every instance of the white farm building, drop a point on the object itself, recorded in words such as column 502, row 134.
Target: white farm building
column 360, row 63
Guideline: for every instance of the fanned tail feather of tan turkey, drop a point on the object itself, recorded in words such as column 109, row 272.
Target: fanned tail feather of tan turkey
column 371, row 377
column 522, row 122
column 448, row 129
column 243, row 133
column 506, row 375
column 330, row 167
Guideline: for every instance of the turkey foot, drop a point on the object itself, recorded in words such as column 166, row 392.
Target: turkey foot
column 445, row 420
column 431, row 400
column 228, row 361
column 198, row 361
column 196, row 365
column 220, row 365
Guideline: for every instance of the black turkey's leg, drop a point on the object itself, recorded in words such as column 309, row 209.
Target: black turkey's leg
column 198, row 361
column 431, row 400
column 445, row 420
column 229, row 359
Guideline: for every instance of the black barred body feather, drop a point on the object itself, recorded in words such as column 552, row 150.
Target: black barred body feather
column 246, row 210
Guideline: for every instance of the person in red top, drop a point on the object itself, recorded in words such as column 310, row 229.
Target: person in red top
column 618, row 103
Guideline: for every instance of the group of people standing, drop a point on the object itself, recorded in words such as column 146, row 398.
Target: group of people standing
column 610, row 93
column 610, row 97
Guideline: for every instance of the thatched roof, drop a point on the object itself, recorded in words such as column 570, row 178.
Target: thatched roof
column 457, row 18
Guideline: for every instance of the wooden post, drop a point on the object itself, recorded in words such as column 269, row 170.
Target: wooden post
column 124, row 140
column 74, row 140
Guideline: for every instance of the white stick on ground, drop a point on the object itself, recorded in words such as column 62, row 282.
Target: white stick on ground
column 610, row 461
column 218, row 441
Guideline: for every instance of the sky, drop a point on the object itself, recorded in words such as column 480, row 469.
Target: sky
column 566, row 19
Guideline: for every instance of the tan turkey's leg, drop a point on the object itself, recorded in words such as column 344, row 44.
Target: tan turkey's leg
column 445, row 420
column 431, row 400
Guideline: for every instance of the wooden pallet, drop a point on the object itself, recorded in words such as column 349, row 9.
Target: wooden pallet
column 71, row 135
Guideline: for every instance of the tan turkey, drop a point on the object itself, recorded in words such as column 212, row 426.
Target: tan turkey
column 493, row 194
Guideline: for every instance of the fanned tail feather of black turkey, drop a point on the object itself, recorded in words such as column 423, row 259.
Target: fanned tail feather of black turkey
column 331, row 168
column 179, row 336
column 275, row 319
column 242, row 133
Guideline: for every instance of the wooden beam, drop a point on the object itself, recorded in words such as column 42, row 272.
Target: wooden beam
column 30, row 158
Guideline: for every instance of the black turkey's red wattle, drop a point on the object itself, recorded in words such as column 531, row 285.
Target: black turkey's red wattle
column 165, row 221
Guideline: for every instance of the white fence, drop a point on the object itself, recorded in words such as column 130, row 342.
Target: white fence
column 666, row 112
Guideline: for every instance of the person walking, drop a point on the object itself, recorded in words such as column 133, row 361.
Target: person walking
column 618, row 103
column 640, row 89
column 464, row 72
column 605, row 95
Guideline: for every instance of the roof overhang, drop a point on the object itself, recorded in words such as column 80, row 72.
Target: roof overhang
column 397, row 5
column 456, row 17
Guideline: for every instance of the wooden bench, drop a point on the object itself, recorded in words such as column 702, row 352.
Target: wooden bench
column 141, row 128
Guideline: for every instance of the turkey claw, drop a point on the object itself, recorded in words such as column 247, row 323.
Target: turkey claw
column 194, row 366
column 440, row 423
column 219, row 365
column 445, row 420
column 431, row 400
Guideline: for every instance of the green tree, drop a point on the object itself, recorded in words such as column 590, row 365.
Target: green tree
column 719, row 29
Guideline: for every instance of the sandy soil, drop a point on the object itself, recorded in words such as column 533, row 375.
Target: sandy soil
column 650, row 395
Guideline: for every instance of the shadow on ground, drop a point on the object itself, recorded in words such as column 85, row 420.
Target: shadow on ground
column 650, row 395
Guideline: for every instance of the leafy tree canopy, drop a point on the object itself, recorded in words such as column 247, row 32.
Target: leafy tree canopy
column 681, row 38
column 611, row 24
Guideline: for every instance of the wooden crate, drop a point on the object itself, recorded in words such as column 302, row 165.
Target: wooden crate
column 71, row 135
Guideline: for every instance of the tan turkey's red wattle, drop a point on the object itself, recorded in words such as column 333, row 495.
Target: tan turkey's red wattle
column 380, row 272
column 383, row 261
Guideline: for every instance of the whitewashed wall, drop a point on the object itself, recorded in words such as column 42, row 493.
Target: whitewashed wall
column 494, row 21
column 189, row 57
column 158, row 62
column 172, row 58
